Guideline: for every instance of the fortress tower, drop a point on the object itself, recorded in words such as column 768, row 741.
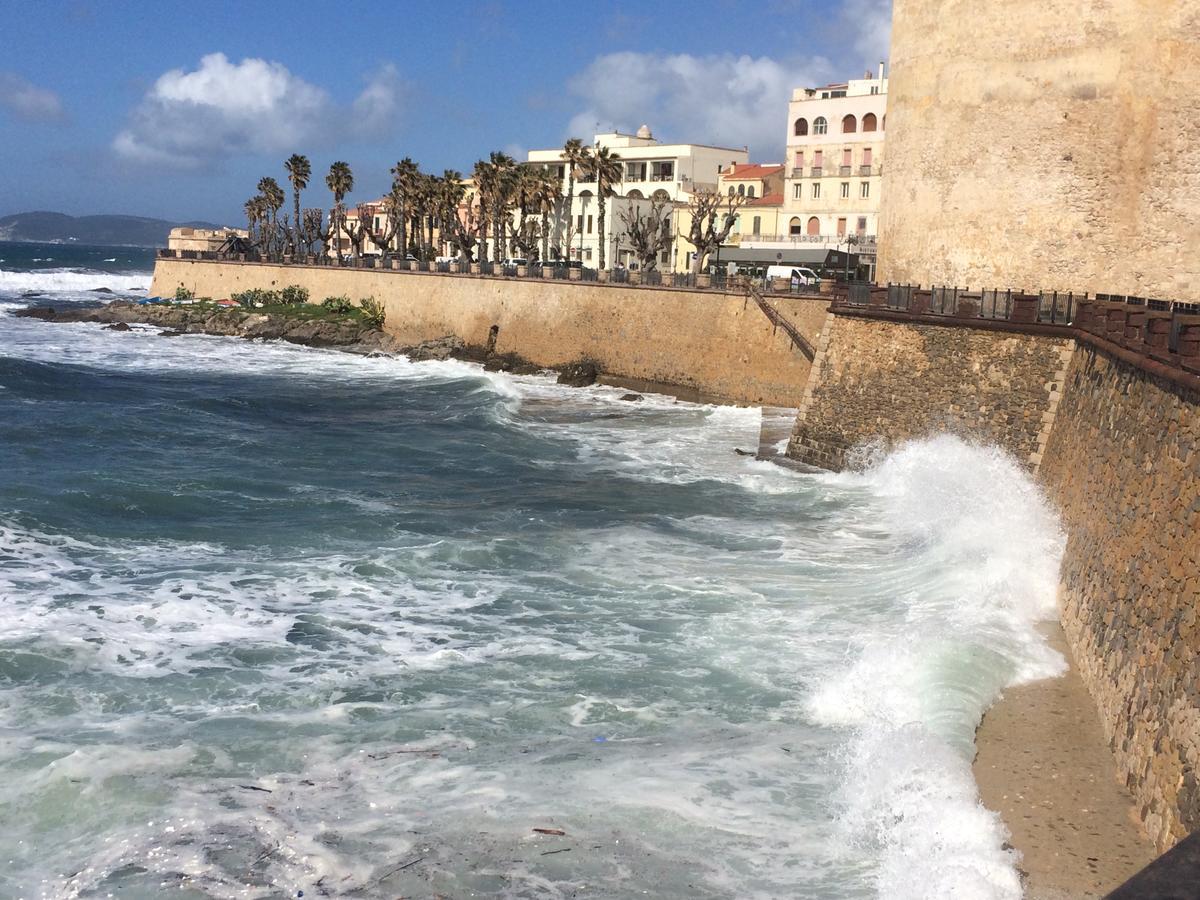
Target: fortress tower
column 1044, row 144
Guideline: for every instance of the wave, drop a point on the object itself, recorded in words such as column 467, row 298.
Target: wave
column 72, row 280
column 982, row 550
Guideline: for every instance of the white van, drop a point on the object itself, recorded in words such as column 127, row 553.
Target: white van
column 806, row 276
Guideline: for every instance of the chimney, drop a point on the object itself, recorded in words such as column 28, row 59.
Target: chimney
column 881, row 64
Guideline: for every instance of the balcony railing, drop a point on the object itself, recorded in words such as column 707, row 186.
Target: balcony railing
column 844, row 170
column 797, row 172
column 864, row 170
column 662, row 176
column 866, row 242
column 816, row 171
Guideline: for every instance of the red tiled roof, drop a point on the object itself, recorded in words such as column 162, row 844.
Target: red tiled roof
column 742, row 171
column 768, row 200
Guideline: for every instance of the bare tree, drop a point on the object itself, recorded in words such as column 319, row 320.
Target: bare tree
column 358, row 231
column 313, row 229
column 650, row 234
column 705, row 234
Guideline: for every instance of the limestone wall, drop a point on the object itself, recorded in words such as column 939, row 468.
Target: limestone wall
column 1044, row 143
column 1123, row 467
column 875, row 383
column 713, row 344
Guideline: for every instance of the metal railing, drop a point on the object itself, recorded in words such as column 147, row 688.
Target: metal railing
column 1157, row 331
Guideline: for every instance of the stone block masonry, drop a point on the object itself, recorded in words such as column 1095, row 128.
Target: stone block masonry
column 1123, row 467
column 875, row 383
column 704, row 345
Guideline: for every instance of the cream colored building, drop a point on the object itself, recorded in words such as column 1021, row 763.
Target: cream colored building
column 835, row 141
column 652, row 171
column 204, row 240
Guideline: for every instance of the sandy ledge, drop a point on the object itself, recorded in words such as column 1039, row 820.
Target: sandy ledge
column 1044, row 764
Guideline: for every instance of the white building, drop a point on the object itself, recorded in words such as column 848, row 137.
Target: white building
column 652, row 171
column 835, row 142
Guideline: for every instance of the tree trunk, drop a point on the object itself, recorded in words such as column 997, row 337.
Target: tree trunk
column 296, row 226
column 600, row 220
column 570, row 213
column 545, row 234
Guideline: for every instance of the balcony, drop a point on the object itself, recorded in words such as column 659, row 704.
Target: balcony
column 816, row 171
column 864, row 170
column 844, row 170
column 662, row 176
column 797, row 173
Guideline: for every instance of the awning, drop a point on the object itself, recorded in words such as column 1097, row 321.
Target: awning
column 769, row 257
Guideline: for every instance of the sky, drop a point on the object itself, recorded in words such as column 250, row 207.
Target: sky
column 175, row 110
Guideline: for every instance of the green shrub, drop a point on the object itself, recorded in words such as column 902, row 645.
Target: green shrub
column 294, row 294
column 373, row 311
column 337, row 304
column 182, row 293
column 256, row 297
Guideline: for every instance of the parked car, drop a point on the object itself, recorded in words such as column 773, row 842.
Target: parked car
column 515, row 261
column 805, row 275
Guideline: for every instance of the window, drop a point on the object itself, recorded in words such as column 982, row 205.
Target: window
column 800, row 128
column 862, row 224
column 750, row 192
column 796, row 191
column 870, row 123
column 635, row 171
column 579, row 223
column 849, row 124
column 814, row 225
column 816, row 190
column 866, row 156
column 845, row 190
column 795, row 226
column 841, row 227
column 589, row 231
column 799, row 159
column 820, row 126
column 587, row 254
column 757, row 225
column 874, row 90
column 741, row 190
column 731, row 191
column 846, row 157
column 864, row 189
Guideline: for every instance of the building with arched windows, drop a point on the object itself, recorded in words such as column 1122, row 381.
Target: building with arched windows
column 834, row 168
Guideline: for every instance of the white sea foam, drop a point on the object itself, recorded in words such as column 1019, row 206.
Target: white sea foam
column 983, row 551
column 71, row 280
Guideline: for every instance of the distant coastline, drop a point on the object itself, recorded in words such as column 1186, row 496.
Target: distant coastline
column 41, row 227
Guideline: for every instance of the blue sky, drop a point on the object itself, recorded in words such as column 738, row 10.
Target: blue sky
column 175, row 110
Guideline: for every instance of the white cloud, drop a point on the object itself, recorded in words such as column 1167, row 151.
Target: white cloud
column 719, row 99
column 221, row 109
column 871, row 23
column 377, row 108
column 27, row 101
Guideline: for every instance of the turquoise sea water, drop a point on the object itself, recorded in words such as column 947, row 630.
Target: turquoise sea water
column 277, row 620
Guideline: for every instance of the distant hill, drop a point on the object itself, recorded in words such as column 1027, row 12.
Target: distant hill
column 127, row 231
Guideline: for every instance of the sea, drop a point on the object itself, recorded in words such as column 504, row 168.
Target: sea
column 286, row 622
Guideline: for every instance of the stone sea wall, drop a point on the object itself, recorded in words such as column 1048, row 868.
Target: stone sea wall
column 876, row 383
column 1123, row 467
column 705, row 345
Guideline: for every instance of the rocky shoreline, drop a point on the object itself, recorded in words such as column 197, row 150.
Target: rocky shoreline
column 335, row 333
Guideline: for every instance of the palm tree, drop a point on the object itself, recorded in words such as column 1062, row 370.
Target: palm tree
column 299, row 170
column 504, row 187
column 254, row 209
column 604, row 167
column 340, row 182
column 404, row 184
column 451, row 192
column 273, row 197
column 548, row 195
column 574, row 152
column 485, row 179
column 426, row 205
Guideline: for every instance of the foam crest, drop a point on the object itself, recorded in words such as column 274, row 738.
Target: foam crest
column 71, row 280
column 957, row 622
